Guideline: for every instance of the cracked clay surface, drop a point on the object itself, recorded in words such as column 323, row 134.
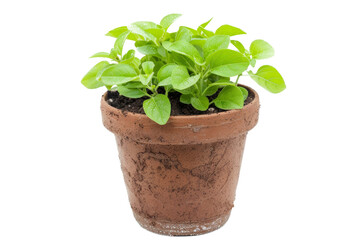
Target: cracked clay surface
column 183, row 183
column 181, row 177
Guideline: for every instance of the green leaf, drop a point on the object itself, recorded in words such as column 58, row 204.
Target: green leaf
column 165, row 82
column 156, row 32
column 113, row 54
column 260, row 49
column 212, row 88
column 101, row 54
column 117, row 31
column 134, row 62
column 148, row 50
column 238, row 45
column 166, row 71
column 89, row 80
column 168, row 20
column 164, row 74
column 206, row 33
column 186, row 49
column 118, row 74
column 183, row 60
column 215, row 78
column 119, row 43
column 145, row 79
column 158, row 108
column 193, row 31
column 244, row 92
column 145, row 25
column 220, row 83
column 229, row 30
column 134, row 84
column 203, row 25
column 141, row 43
column 99, row 74
column 202, row 31
column 161, row 51
column 166, row 45
column 200, row 50
column 201, row 103
column 185, row 98
column 230, row 97
column 168, row 88
column 129, row 55
column 186, row 91
column 130, row 92
column 181, row 78
column 227, row 63
column 269, row 78
column 211, row 91
column 200, row 41
column 148, row 67
column 253, row 62
column 183, row 34
column 215, row 43
column 141, row 27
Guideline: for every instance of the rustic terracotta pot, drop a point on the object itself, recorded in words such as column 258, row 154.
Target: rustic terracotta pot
column 181, row 178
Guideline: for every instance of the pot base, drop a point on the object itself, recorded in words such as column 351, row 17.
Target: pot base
column 180, row 229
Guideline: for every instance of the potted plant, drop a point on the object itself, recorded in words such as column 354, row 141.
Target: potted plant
column 180, row 123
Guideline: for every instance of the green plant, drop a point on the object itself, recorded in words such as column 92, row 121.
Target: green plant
column 196, row 63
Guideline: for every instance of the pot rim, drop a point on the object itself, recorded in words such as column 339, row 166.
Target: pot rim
column 183, row 117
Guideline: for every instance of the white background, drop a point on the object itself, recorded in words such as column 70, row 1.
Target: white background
column 60, row 176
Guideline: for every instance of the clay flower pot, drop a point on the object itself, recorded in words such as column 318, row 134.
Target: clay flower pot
column 181, row 177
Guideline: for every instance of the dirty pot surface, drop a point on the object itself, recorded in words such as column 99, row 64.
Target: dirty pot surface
column 181, row 178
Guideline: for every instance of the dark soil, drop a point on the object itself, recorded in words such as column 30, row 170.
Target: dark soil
column 177, row 108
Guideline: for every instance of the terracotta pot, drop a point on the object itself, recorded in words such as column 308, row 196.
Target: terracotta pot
column 181, row 178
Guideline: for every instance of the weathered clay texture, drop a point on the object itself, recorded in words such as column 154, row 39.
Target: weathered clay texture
column 181, row 177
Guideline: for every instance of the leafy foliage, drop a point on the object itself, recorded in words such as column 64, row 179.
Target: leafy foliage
column 269, row 78
column 194, row 62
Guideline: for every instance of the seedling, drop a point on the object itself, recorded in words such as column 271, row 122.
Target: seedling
column 194, row 62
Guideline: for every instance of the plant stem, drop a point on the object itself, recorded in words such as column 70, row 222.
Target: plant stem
column 201, row 84
column 167, row 57
column 237, row 79
column 205, row 90
column 145, row 93
column 197, row 88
